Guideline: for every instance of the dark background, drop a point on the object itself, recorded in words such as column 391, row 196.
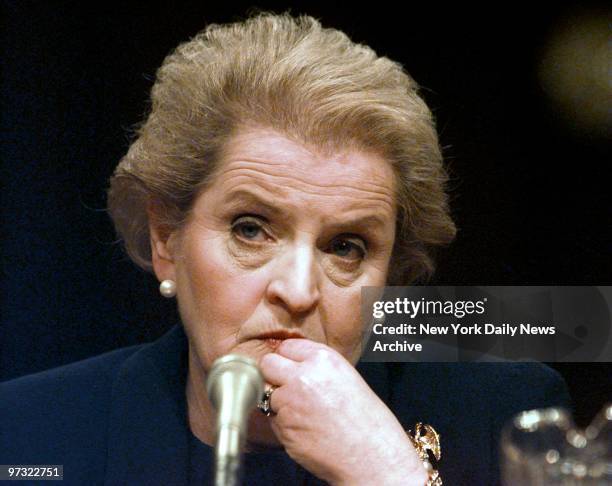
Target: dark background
column 530, row 192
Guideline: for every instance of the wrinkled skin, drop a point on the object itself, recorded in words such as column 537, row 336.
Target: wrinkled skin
column 270, row 264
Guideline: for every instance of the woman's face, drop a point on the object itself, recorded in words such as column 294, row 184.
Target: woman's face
column 279, row 246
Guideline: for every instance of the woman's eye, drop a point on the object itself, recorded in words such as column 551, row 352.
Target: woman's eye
column 348, row 249
column 248, row 229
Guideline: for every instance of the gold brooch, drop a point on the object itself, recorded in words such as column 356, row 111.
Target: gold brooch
column 425, row 439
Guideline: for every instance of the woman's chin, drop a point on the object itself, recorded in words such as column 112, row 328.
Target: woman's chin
column 260, row 435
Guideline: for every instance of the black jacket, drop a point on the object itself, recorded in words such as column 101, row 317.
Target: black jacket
column 120, row 418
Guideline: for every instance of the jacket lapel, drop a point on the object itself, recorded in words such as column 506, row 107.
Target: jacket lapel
column 148, row 431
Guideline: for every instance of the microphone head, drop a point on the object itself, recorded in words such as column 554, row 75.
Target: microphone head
column 237, row 379
column 234, row 386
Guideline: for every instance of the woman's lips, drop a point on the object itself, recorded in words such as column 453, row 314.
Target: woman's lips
column 274, row 339
column 273, row 343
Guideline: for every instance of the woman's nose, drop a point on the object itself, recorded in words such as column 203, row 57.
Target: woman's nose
column 294, row 284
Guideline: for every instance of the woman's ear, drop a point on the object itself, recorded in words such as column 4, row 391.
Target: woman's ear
column 162, row 248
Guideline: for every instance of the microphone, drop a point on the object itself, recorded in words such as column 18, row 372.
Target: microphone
column 234, row 386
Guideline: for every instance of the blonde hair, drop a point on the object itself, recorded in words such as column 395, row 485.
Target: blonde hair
column 312, row 84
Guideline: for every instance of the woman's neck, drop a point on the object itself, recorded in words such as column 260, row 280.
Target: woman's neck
column 200, row 412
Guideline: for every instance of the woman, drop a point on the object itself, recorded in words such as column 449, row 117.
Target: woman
column 281, row 168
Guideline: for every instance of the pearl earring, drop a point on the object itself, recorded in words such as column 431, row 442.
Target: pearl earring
column 167, row 288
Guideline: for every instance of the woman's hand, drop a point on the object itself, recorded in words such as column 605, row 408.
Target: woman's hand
column 332, row 423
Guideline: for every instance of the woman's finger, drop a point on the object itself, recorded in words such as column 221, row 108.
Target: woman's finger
column 277, row 369
column 278, row 399
column 298, row 349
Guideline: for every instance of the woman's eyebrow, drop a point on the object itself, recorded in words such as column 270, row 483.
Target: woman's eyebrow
column 372, row 221
column 244, row 197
